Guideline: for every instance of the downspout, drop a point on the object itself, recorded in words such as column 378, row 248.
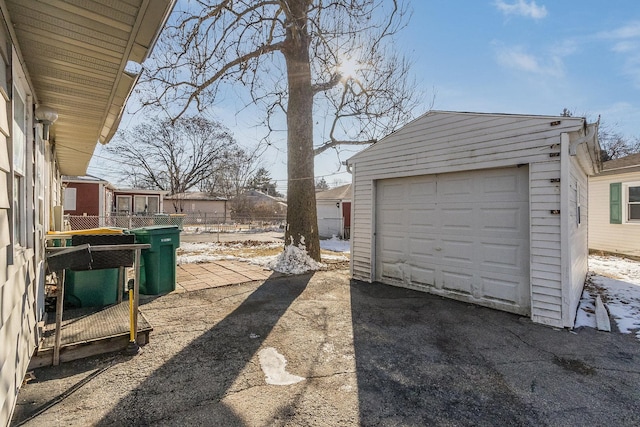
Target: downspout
column 591, row 131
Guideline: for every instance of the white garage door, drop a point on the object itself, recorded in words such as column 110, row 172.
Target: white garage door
column 463, row 235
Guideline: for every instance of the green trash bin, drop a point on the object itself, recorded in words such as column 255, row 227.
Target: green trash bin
column 160, row 259
column 91, row 288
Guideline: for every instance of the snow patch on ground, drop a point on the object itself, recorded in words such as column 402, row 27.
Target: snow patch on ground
column 195, row 253
column 273, row 365
column 334, row 244
column 617, row 280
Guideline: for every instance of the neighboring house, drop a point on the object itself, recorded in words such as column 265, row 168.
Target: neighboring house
column 257, row 205
column 138, row 202
column 87, row 195
column 201, row 203
column 614, row 207
column 58, row 60
column 334, row 212
column 485, row 208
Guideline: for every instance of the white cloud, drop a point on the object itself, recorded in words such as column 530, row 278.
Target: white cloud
column 522, row 8
column 626, row 42
column 628, row 31
column 517, row 59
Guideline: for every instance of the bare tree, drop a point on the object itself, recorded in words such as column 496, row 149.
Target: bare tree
column 172, row 155
column 613, row 144
column 292, row 56
column 231, row 174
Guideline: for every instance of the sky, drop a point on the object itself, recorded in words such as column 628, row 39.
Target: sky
column 494, row 56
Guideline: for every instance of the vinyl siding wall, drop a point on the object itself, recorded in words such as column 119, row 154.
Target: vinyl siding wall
column 21, row 275
column 617, row 238
column 577, row 252
column 444, row 142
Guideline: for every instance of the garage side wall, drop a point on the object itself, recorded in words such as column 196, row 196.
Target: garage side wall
column 454, row 142
column 577, row 227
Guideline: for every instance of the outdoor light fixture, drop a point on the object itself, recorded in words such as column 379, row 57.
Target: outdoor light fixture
column 47, row 116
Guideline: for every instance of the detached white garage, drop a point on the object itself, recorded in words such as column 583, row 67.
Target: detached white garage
column 484, row 208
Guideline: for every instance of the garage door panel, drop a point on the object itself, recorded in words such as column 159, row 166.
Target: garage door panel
column 457, row 218
column 463, row 235
column 502, row 257
column 393, row 246
column 457, row 252
column 393, row 271
column 501, row 290
column 423, row 218
column 392, row 191
column 456, row 281
column 503, row 218
column 455, row 187
column 393, row 217
column 423, row 248
column 423, row 276
column 423, row 188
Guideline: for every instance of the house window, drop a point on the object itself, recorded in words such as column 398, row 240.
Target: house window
column 19, row 140
column 69, row 201
column 145, row 205
column 633, row 202
column 123, row 205
column 624, row 202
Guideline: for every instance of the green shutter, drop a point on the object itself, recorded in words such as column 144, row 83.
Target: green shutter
column 615, row 203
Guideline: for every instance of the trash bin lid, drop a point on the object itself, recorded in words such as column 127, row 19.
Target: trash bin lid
column 155, row 229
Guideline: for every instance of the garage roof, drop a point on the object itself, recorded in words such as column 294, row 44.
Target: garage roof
column 76, row 52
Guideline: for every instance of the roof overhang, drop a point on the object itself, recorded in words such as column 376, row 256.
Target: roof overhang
column 587, row 149
column 75, row 54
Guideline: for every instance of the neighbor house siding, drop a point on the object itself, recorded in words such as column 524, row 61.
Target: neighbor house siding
column 87, row 199
column 454, row 142
column 621, row 238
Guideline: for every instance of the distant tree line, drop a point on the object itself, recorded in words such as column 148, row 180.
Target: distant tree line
column 187, row 154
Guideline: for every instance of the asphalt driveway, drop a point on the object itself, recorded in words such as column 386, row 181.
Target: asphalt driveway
column 370, row 355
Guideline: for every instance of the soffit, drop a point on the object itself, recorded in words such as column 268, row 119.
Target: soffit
column 75, row 53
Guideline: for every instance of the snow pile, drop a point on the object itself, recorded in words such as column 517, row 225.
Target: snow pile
column 336, row 245
column 617, row 280
column 293, row 260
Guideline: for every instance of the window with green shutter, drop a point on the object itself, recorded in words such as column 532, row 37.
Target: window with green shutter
column 615, row 203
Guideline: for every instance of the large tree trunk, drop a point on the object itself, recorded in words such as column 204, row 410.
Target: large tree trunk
column 301, row 197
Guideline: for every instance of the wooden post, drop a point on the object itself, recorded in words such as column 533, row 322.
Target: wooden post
column 136, row 293
column 59, row 311
column 122, row 278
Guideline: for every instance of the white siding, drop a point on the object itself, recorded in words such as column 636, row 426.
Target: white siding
column 330, row 221
column 19, row 295
column 618, row 238
column 442, row 142
column 577, row 252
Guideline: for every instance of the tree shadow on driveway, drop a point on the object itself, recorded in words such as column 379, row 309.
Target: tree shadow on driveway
column 425, row 360
column 188, row 388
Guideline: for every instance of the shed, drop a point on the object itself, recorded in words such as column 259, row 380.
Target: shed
column 614, row 207
column 485, row 208
column 334, row 212
column 200, row 203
